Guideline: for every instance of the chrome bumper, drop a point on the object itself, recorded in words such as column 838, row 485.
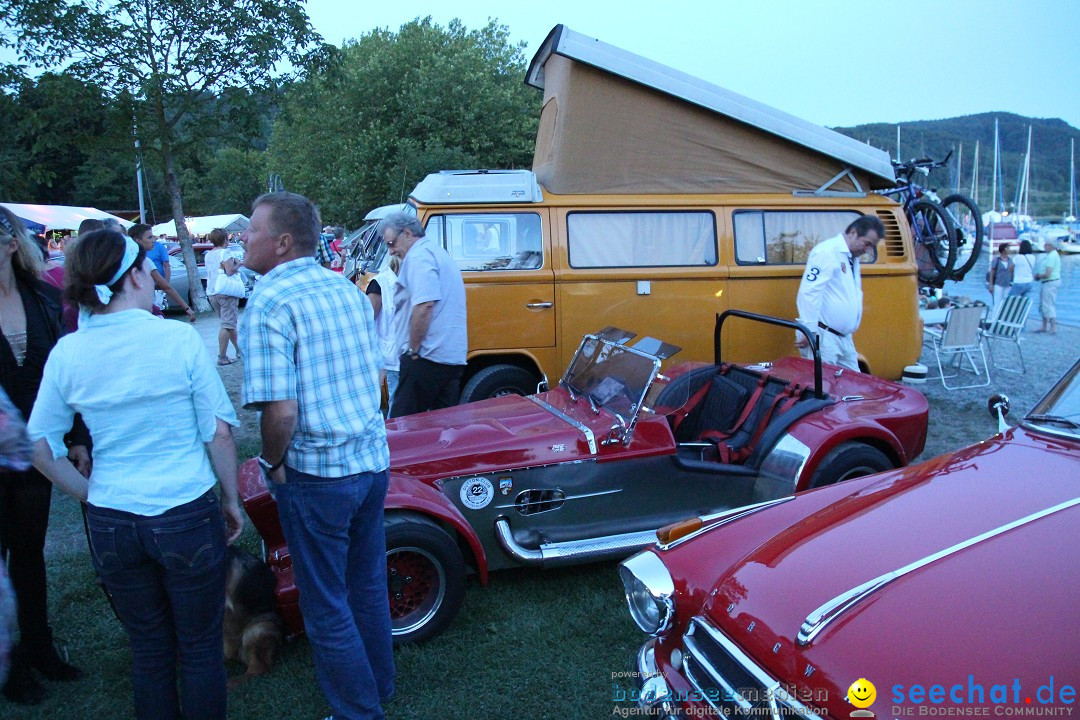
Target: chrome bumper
column 655, row 696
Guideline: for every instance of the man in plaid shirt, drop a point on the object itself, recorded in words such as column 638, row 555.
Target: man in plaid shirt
column 311, row 367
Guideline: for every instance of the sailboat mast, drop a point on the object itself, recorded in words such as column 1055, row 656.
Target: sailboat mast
column 975, row 176
column 959, row 166
column 1072, row 179
column 1027, row 173
column 993, row 183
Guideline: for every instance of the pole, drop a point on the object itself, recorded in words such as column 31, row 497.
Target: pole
column 993, row 183
column 1072, row 179
column 138, row 171
column 975, row 177
column 959, row 166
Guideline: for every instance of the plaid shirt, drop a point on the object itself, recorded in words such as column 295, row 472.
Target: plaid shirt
column 323, row 252
column 309, row 335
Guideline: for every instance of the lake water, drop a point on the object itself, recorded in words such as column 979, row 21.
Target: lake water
column 1068, row 300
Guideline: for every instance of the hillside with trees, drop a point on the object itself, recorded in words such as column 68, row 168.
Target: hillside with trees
column 935, row 138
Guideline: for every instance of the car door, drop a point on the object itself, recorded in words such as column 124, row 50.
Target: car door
column 505, row 259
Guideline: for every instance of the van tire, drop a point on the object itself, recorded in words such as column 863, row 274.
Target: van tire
column 498, row 380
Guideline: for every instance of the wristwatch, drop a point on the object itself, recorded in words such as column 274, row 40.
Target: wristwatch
column 266, row 466
column 412, row 353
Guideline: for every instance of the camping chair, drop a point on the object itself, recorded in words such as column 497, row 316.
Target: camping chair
column 1007, row 325
column 957, row 341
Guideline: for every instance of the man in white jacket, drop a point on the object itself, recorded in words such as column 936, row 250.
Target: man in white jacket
column 830, row 294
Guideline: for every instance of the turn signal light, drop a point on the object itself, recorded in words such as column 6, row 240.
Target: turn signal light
column 670, row 533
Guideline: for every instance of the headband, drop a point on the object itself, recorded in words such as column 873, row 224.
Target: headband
column 131, row 251
column 7, row 224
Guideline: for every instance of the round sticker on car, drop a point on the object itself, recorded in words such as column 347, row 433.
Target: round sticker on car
column 477, row 493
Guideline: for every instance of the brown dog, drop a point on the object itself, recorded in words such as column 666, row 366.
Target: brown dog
column 253, row 628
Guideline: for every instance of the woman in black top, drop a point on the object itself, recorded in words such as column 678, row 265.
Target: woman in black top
column 30, row 324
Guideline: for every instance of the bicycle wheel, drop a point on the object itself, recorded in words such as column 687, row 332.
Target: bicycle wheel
column 934, row 238
column 965, row 214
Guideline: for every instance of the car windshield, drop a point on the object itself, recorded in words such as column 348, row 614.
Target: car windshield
column 611, row 375
column 1059, row 411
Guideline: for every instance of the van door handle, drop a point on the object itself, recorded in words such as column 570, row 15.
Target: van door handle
column 539, row 305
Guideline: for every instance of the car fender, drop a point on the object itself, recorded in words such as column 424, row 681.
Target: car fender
column 405, row 493
column 821, row 444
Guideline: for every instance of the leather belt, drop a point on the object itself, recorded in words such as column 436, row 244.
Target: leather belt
column 837, row 333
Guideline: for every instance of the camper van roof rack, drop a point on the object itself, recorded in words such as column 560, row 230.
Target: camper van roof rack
column 464, row 187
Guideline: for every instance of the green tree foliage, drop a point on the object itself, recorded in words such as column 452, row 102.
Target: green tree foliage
column 194, row 68
column 391, row 107
column 232, row 178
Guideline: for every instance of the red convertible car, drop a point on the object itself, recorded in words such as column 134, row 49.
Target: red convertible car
column 947, row 588
column 590, row 469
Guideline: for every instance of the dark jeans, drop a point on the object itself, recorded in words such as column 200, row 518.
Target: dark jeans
column 166, row 574
column 425, row 385
column 24, row 517
column 334, row 528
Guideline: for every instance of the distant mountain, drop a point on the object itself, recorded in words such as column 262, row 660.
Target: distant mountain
column 935, row 138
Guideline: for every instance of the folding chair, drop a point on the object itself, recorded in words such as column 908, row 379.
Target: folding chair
column 960, row 340
column 1007, row 325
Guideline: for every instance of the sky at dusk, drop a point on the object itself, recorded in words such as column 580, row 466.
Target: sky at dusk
column 832, row 62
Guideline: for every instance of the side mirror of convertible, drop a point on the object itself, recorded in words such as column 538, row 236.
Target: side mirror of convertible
column 998, row 407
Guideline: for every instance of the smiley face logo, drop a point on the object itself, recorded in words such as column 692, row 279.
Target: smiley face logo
column 862, row 693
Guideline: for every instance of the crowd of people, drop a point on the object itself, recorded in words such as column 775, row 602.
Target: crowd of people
column 1010, row 276
column 149, row 451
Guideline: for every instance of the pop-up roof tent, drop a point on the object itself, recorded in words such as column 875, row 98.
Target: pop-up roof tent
column 615, row 122
column 203, row 225
column 58, row 217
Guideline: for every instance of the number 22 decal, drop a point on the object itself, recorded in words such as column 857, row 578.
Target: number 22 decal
column 813, row 274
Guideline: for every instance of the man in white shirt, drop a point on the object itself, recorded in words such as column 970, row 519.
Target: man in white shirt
column 430, row 319
column 830, row 294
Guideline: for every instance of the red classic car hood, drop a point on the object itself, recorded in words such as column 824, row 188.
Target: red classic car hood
column 939, row 624
column 496, row 434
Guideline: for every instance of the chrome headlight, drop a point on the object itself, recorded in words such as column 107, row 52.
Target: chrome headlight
column 649, row 592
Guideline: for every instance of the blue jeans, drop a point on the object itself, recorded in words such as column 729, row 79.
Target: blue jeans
column 166, row 574
column 334, row 528
column 1021, row 289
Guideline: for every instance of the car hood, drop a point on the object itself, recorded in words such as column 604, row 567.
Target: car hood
column 496, row 434
column 1002, row 609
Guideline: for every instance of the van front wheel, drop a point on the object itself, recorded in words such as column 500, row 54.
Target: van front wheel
column 498, row 380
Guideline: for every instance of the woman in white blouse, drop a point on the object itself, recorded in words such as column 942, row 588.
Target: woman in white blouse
column 154, row 404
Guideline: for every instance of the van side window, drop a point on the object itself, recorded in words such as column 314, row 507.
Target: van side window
column 767, row 237
column 491, row 241
column 641, row 239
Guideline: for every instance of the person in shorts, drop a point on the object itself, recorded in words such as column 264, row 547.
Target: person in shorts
column 219, row 263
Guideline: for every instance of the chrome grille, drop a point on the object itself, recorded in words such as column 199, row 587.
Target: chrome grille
column 729, row 680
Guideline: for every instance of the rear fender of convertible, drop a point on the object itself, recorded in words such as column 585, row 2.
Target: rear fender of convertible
column 409, row 495
column 821, row 444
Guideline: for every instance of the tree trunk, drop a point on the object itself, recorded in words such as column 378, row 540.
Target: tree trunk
column 187, row 252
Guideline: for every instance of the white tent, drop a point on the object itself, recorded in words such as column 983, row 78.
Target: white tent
column 203, row 225
column 59, row 217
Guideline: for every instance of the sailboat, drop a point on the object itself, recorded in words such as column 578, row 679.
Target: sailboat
column 1069, row 242
column 998, row 229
